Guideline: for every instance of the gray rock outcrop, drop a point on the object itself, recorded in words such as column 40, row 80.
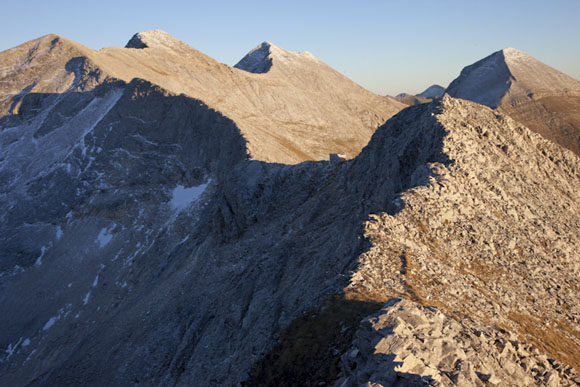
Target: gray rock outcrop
column 406, row 344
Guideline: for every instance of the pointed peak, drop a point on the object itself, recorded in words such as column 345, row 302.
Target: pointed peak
column 260, row 59
column 265, row 44
column 153, row 38
column 510, row 52
column 54, row 39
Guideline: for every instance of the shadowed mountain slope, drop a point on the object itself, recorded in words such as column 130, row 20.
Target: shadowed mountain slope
column 198, row 258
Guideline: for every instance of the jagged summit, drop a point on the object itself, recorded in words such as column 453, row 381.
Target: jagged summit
column 153, row 38
column 512, row 73
column 259, row 60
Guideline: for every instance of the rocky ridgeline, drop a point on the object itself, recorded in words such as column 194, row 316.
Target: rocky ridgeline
column 491, row 237
column 408, row 344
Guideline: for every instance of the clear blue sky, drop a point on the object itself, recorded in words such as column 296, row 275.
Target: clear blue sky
column 386, row 46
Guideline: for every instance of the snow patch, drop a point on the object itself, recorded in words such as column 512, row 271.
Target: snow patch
column 96, row 281
column 26, row 342
column 86, row 299
column 182, row 197
column 58, row 233
column 104, row 237
column 62, row 313
column 39, row 259
column 30, row 356
column 50, row 322
column 12, row 348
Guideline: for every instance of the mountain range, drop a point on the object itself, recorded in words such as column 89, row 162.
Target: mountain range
column 166, row 219
column 432, row 92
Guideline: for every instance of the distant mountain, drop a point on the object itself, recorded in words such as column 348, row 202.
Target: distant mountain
column 409, row 99
column 259, row 60
column 539, row 96
column 433, row 91
column 300, row 110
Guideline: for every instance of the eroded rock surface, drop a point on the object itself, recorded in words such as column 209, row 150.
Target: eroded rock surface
column 406, row 344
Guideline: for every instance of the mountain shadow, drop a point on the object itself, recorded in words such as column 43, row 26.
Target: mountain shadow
column 125, row 286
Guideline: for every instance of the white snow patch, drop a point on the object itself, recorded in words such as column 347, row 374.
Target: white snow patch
column 58, row 233
column 39, row 259
column 30, row 356
column 96, row 281
column 50, row 322
column 26, row 342
column 70, row 284
column 12, row 348
column 182, row 197
column 117, row 256
column 86, row 299
column 104, row 237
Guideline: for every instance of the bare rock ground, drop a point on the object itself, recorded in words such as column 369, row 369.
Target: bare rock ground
column 406, row 344
column 492, row 236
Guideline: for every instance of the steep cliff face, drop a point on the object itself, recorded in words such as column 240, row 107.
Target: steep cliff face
column 126, row 177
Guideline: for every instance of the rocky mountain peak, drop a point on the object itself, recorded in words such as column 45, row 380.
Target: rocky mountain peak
column 485, row 82
column 488, row 80
column 260, row 59
column 510, row 52
column 537, row 95
column 153, row 38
